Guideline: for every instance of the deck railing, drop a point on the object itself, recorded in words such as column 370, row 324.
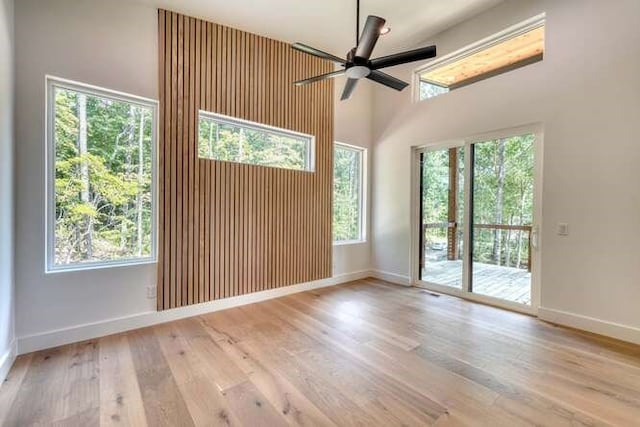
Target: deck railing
column 452, row 228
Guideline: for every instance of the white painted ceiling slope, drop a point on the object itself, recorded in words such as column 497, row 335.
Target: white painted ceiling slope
column 330, row 24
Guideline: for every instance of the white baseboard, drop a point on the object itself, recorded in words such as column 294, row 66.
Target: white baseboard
column 585, row 323
column 6, row 361
column 49, row 339
column 590, row 324
column 398, row 279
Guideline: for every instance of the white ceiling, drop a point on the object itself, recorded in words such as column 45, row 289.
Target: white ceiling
column 330, row 24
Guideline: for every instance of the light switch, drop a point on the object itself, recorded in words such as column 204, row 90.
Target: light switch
column 563, row 229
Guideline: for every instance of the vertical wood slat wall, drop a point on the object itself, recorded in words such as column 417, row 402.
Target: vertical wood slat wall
column 228, row 229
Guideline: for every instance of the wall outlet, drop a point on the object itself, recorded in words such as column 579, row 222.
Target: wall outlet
column 563, row 229
column 151, row 291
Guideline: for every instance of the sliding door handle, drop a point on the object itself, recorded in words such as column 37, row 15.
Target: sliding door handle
column 534, row 237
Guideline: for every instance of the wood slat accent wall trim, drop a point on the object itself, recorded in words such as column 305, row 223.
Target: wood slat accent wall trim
column 229, row 229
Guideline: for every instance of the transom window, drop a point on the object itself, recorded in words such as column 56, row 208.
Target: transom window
column 348, row 193
column 101, row 169
column 234, row 140
column 513, row 48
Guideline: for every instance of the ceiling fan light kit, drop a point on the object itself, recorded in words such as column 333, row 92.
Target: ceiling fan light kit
column 357, row 72
column 358, row 64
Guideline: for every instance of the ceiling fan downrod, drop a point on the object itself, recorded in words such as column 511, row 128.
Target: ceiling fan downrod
column 357, row 22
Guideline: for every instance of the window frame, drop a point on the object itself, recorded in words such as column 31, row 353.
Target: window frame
column 538, row 130
column 473, row 48
column 310, row 160
column 51, row 83
column 362, row 223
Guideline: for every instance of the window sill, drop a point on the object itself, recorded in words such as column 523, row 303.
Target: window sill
column 349, row 242
column 99, row 266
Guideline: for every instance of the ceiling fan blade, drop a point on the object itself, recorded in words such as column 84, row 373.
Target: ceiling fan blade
column 387, row 80
column 326, row 76
column 403, row 57
column 369, row 36
column 315, row 52
column 348, row 89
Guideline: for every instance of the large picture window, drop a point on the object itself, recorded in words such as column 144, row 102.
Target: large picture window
column 101, row 169
column 348, row 193
column 240, row 141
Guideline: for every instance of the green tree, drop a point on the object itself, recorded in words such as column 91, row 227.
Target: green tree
column 502, row 194
column 347, row 177
column 503, row 188
column 231, row 143
column 102, row 178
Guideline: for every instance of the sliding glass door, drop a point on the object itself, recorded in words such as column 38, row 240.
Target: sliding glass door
column 502, row 220
column 477, row 232
column 442, row 208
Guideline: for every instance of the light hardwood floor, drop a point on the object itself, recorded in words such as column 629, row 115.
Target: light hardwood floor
column 366, row 353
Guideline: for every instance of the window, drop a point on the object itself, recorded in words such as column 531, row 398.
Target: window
column 348, row 200
column 513, row 48
column 100, row 180
column 233, row 140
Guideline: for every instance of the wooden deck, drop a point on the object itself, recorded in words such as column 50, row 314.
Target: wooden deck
column 511, row 284
column 364, row 353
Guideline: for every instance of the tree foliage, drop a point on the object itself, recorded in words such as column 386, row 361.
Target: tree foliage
column 232, row 143
column 502, row 194
column 103, row 155
column 347, row 176
column 435, row 196
column 428, row 90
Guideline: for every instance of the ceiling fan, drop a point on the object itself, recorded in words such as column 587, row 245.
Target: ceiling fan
column 358, row 63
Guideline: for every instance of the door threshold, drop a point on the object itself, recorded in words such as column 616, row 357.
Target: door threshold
column 481, row 299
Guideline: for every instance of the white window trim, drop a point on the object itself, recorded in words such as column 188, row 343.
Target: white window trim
column 51, row 82
column 310, row 161
column 506, row 34
column 363, row 195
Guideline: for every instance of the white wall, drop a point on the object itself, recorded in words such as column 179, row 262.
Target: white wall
column 7, row 293
column 98, row 43
column 110, row 44
column 353, row 126
column 586, row 94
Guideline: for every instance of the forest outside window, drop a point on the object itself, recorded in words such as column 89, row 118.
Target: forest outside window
column 348, row 194
column 101, row 169
column 233, row 140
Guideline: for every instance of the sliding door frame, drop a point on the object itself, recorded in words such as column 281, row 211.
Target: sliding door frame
column 467, row 143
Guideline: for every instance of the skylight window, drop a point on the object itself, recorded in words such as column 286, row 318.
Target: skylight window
column 513, row 48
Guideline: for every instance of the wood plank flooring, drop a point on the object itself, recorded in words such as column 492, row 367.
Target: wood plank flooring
column 365, row 353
